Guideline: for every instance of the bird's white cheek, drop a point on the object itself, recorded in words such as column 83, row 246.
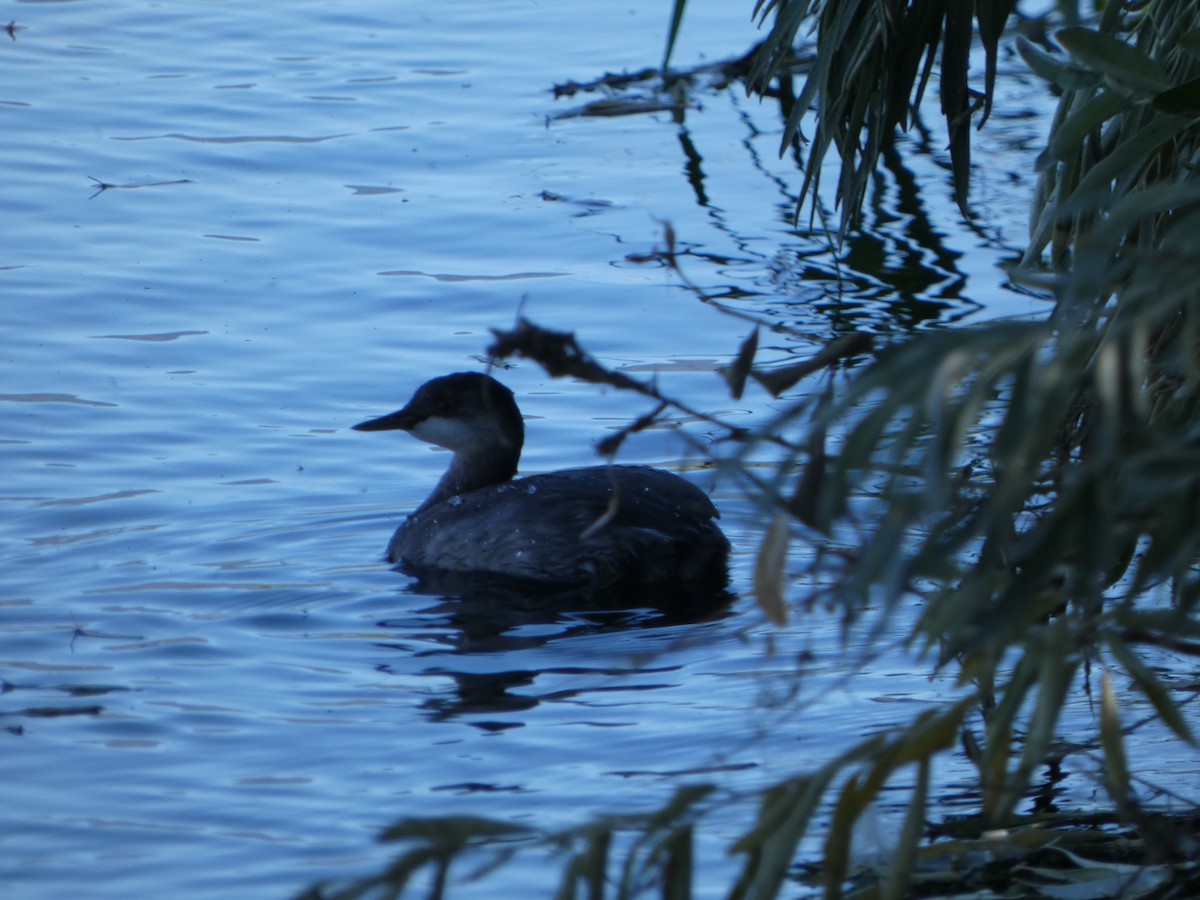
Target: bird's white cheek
column 448, row 433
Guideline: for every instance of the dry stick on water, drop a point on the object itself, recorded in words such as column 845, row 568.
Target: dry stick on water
column 611, row 444
column 774, row 380
column 102, row 186
column 560, row 354
column 743, row 364
column 779, row 380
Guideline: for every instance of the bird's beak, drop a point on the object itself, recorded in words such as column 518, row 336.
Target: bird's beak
column 401, row 419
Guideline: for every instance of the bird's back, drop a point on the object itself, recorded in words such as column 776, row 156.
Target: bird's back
column 563, row 529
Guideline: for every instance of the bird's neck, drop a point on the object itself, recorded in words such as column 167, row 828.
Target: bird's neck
column 470, row 472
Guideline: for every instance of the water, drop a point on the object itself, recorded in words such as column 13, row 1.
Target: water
column 211, row 683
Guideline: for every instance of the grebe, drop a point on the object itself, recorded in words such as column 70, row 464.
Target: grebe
column 594, row 527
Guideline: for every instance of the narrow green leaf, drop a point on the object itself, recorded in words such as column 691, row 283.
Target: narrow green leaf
column 1104, row 239
column 1112, row 741
column 957, row 35
column 590, row 867
column 839, row 839
column 656, row 847
column 1117, row 60
column 1056, row 671
column 1110, row 19
column 769, row 570
column 1068, row 137
column 1151, row 687
column 677, row 869
column 778, row 43
column 905, row 857
column 1183, row 99
column 677, row 9
column 1190, row 41
column 1130, row 158
column 931, row 734
column 782, row 821
column 1055, row 69
column 805, row 503
column 992, row 15
column 997, row 748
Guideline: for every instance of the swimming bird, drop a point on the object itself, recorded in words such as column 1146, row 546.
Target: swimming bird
column 595, row 527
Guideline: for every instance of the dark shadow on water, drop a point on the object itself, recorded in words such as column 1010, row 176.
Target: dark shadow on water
column 486, row 611
column 489, row 622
